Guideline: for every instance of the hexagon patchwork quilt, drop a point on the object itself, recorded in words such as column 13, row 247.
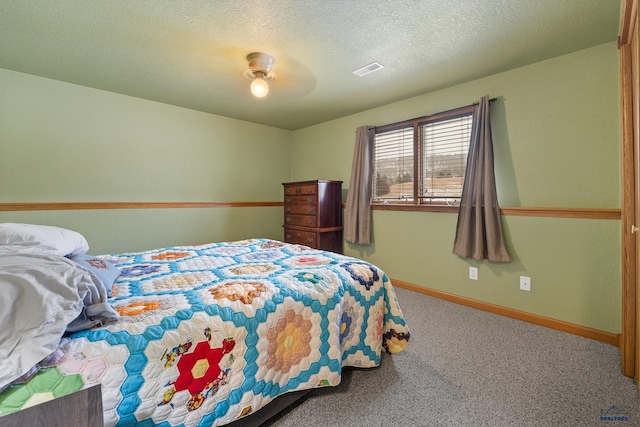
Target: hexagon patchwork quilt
column 211, row 333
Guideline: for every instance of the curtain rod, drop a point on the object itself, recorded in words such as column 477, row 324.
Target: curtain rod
column 475, row 103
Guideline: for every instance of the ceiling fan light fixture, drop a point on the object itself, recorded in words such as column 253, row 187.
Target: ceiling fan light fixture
column 259, row 72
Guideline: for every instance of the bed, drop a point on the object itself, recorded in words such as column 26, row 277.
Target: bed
column 201, row 335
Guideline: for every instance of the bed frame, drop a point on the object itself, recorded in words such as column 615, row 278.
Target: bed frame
column 278, row 405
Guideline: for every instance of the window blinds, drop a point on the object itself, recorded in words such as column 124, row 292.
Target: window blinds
column 436, row 149
column 444, row 157
column 394, row 165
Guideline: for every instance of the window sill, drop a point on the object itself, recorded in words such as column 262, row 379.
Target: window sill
column 414, row 208
column 587, row 213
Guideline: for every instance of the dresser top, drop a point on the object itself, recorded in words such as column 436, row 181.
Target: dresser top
column 313, row 181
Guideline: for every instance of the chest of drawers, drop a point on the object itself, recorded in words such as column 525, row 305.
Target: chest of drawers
column 313, row 214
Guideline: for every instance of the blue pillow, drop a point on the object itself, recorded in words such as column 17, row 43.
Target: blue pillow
column 106, row 271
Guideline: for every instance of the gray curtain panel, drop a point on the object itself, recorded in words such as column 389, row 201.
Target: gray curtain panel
column 479, row 231
column 357, row 215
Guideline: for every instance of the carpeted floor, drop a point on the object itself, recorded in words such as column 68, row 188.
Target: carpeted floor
column 466, row 367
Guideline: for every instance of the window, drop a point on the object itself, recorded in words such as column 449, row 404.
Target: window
column 422, row 161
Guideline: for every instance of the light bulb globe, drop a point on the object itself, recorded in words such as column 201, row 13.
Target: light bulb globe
column 259, row 87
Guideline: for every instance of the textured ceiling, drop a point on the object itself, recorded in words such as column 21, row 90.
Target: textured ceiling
column 192, row 53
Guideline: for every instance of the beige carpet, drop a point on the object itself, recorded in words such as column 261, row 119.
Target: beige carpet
column 466, row 367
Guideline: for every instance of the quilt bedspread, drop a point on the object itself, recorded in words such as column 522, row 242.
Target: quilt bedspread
column 211, row 333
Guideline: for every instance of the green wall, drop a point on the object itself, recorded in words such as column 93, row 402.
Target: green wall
column 66, row 143
column 557, row 144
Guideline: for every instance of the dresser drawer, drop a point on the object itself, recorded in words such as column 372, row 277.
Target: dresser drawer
column 300, row 189
column 299, row 237
column 300, row 200
column 303, row 220
column 300, row 209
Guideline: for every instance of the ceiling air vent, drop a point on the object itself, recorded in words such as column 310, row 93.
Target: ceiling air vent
column 368, row 69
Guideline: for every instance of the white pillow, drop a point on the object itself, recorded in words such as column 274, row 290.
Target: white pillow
column 47, row 238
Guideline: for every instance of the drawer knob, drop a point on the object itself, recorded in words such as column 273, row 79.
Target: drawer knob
column 309, row 220
column 288, row 199
column 287, row 219
column 310, row 210
column 298, row 190
column 309, row 240
column 288, row 209
column 288, row 236
column 309, row 200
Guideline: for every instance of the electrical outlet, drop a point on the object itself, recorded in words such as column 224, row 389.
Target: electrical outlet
column 525, row 283
column 473, row 273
